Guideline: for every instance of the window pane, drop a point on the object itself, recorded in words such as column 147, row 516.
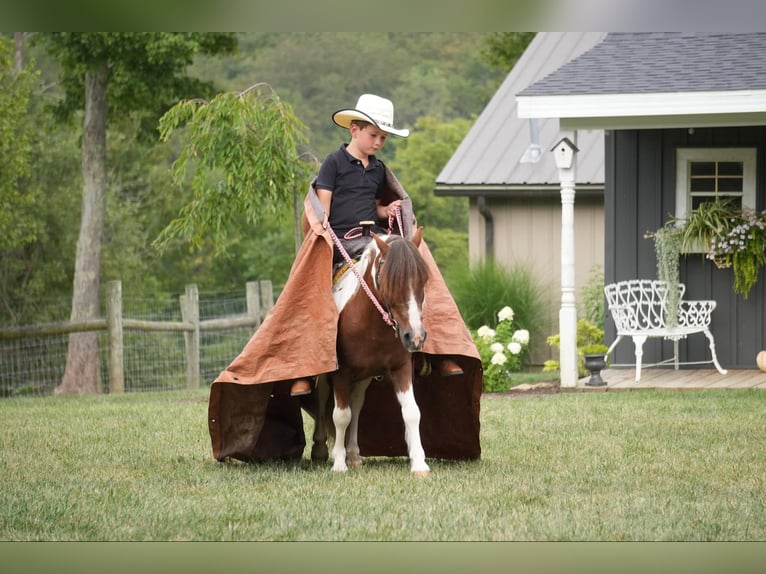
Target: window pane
column 729, row 184
column 702, row 184
column 699, row 200
column 731, row 168
column 703, row 168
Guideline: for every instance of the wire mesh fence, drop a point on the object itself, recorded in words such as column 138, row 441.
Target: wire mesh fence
column 153, row 360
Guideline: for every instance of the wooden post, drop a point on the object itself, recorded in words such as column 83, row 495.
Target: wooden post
column 190, row 314
column 114, row 337
column 267, row 297
column 253, row 303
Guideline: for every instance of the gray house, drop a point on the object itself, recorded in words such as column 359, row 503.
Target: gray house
column 504, row 168
column 666, row 102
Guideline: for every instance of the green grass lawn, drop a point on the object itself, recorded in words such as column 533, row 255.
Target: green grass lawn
column 649, row 466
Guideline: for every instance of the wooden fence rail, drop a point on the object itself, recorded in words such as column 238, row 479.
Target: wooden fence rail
column 259, row 297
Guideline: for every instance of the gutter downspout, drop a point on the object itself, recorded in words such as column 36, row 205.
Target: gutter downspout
column 489, row 228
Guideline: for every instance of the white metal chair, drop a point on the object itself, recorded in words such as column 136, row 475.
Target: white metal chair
column 639, row 310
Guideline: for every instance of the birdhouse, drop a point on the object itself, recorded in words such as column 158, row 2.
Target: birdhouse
column 564, row 152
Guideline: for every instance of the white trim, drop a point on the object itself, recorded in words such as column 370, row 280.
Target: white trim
column 684, row 156
column 647, row 104
column 664, row 122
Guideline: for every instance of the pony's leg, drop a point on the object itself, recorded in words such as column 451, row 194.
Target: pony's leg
column 411, row 416
column 341, row 416
column 319, row 451
column 352, row 444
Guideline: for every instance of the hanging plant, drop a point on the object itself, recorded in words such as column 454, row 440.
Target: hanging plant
column 743, row 248
column 732, row 237
column 668, row 243
column 710, row 220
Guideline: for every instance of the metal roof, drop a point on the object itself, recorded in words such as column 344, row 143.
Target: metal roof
column 489, row 156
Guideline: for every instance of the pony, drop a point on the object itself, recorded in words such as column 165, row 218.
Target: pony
column 379, row 326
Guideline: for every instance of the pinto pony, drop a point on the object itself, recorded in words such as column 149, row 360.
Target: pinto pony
column 378, row 329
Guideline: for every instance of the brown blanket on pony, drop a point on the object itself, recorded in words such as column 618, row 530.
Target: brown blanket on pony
column 251, row 415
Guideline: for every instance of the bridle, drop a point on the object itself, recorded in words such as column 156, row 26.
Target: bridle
column 386, row 315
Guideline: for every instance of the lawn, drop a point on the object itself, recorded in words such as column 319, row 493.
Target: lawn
column 630, row 466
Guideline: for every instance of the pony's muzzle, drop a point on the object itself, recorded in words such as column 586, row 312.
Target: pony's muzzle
column 413, row 341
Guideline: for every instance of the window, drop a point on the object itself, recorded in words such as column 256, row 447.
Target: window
column 707, row 174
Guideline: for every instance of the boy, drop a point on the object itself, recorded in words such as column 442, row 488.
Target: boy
column 351, row 179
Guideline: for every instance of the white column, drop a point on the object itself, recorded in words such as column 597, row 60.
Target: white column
column 568, row 310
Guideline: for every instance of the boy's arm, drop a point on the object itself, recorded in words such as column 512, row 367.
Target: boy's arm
column 325, row 197
column 384, row 211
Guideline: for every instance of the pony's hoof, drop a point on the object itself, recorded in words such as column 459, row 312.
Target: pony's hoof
column 421, row 473
column 319, row 453
column 339, row 466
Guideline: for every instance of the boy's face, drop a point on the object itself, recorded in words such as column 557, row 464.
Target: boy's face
column 368, row 139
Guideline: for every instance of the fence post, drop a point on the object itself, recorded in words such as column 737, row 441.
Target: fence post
column 267, row 296
column 253, row 304
column 190, row 314
column 114, row 337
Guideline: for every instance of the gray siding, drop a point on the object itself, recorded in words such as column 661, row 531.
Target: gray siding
column 639, row 195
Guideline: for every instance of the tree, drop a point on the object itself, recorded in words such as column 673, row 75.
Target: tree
column 503, row 49
column 418, row 161
column 123, row 73
column 242, row 151
column 17, row 223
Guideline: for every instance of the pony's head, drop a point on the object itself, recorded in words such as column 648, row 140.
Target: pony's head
column 400, row 275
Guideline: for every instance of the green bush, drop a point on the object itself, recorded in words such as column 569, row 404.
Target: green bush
column 592, row 296
column 590, row 340
column 488, row 286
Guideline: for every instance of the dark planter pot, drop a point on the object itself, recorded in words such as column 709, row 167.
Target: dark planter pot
column 595, row 363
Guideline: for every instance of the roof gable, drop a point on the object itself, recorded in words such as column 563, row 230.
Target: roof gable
column 661, row 62
column 661, row 80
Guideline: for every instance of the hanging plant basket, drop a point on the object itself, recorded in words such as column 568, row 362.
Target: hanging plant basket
column 732, row 237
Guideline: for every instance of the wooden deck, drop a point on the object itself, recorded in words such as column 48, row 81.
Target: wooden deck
column 623, row 379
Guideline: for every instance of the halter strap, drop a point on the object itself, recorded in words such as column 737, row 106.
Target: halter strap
column 386, row 316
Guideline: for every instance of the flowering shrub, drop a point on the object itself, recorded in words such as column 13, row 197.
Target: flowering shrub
column 734, row 237
column 743, row 247
column 502, row 349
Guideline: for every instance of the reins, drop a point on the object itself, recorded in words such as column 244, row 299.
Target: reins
column 383, row 313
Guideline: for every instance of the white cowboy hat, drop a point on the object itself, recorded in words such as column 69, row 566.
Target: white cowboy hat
column 371, row 108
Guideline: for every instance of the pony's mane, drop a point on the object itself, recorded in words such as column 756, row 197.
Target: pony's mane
column 403, row 265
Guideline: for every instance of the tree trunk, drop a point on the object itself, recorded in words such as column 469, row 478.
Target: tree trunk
column 18, row 51
column 82, row 374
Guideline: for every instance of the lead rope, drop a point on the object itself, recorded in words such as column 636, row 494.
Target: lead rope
column 398, row 213
column 386, row 316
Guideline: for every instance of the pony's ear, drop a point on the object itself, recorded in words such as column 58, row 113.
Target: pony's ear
column 417, row 236
column 382, row 245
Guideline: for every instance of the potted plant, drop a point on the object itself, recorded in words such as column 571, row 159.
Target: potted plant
column 594, row 359
column 590, row 341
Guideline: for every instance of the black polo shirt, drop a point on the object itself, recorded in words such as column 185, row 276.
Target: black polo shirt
column 354, row 188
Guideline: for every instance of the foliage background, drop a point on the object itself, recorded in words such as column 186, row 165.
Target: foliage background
column 438, row 81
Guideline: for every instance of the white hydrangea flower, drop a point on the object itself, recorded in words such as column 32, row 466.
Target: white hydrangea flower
column 514, row 347
column 505, row 314
column 521, row 336
column 485, row 332
column 496, row 347
column 499, row 359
